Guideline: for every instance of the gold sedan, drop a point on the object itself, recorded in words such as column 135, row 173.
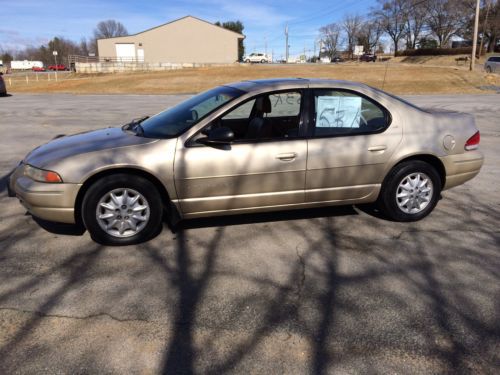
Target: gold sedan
column 251, row 146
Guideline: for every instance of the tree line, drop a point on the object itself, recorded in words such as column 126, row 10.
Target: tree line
column 411, row 24
column 66, row 47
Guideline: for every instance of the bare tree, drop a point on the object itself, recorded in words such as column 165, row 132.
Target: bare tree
column 447, row 18
column 415, row 21
column 351, row 25
column 490, row 19
column 331, row 38
column 392, row 15
column 109, row 29
column 369, row 35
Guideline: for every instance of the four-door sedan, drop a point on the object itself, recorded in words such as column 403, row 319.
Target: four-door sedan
column 250, row 147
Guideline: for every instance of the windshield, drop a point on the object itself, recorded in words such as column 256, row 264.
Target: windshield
column 178, row 119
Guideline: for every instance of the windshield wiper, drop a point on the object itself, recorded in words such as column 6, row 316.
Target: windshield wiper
column 134, row 124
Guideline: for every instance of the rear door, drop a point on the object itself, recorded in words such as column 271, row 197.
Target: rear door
column 351, row 137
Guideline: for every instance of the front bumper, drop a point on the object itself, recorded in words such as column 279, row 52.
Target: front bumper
column 52, row 202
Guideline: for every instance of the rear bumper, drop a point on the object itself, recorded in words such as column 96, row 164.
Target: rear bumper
column 52, row 202
column 462, row 167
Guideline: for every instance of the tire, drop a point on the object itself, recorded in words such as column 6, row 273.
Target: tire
column 398, row 188
column 142, row 209
column 247, row 61
column 263, row 61
column 488, row 69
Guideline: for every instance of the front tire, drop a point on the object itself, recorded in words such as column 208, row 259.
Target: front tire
column 122, row 210
column 488, row 69
column 410, row 191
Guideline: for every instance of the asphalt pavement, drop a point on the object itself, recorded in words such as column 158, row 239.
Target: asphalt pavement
column 331, row 290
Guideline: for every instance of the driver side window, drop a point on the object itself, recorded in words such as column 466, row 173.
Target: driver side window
column 265, row 117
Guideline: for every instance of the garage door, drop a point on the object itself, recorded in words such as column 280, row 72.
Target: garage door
column 125, row 51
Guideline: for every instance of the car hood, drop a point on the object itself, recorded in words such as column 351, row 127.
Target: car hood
column 97, row 140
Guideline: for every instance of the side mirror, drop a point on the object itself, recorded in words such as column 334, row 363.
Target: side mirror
column 217, row 136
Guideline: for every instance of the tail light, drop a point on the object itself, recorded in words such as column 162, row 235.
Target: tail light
column 473, row 142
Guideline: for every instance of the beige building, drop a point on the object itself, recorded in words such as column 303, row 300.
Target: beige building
column 185, row 40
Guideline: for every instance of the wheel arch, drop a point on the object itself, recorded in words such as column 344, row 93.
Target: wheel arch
column 430, row 159
column 164, row 195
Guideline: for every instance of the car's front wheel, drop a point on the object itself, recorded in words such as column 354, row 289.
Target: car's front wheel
column 122, row 210
column 410, row 191
column 488, row 69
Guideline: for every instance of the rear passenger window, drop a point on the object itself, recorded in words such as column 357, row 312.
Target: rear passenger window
column 346, row 113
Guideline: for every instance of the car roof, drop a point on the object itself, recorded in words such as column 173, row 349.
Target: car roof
column 287, row 83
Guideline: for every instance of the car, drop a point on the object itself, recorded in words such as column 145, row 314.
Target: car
column 3, row 86
column 492, row 65
column 57, row 67
column 38, row 69
column 337, row 59
column 368, row 57
column 252, row 146
column 256, row 58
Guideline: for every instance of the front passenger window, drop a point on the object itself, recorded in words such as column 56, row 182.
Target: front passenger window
column 265, row 117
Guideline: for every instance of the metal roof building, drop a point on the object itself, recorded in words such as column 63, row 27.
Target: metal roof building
column 185, row 40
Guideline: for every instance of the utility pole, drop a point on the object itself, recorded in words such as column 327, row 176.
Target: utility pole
column 265, row 44
column 474, row 40
column 286, row 43
column 484, row 26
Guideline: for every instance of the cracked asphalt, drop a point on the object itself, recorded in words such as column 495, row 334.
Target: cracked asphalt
column 331, row 290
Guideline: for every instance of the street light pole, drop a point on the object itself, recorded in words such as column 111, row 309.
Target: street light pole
column 55, row 61
column 474, row 40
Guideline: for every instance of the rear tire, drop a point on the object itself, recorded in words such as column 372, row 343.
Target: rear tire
column 488, row 69
column 410, row 191
column 122, row 209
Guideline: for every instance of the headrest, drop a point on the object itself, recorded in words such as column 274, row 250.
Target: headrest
column 263, row 104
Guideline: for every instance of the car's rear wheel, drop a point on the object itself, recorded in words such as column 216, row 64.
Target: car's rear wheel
column 122, row 210
column 488, row 69
column 410, row 191
column 262, row 61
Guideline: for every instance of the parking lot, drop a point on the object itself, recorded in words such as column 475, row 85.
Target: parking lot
column 314, row 291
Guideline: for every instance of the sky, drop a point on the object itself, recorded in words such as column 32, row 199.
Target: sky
column 34, row 22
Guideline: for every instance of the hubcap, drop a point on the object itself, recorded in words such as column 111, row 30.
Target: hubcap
column 414, row 193
column 122, row 212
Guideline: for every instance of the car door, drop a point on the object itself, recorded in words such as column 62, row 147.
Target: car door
column 250, row 174
column 351, row 137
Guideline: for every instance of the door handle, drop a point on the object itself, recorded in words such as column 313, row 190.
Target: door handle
column 377, row 148
column 288, row 156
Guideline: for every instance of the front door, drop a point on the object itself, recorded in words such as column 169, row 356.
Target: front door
column 264, row 167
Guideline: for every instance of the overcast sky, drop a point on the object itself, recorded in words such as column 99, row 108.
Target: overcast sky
column 34, row 22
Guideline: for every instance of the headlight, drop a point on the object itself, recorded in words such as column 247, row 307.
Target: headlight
column 41, row 175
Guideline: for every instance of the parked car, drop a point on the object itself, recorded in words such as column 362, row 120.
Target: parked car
column 256, row 58
column 368, row 57
column 3, row 86
column 57, row 67
column 337, row 59
column 492, row 65
column 247, row 147
column 38, row 69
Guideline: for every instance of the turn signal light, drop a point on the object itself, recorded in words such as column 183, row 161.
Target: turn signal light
column 41, row 175
column 473, row 142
